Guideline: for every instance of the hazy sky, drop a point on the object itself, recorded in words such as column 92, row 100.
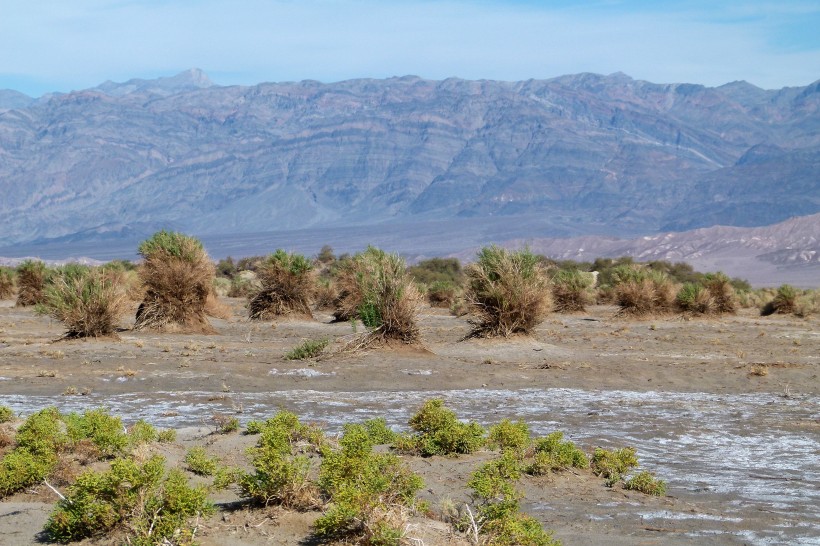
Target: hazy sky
column 60, row 45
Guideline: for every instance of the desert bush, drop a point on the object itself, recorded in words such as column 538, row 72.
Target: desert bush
column 147, row 505
column 198, row 461
column 178, row 276
column 808, row 303
column 6, row 283
column 439, row 432
column 43, row 433
column 695, row 299
column 645, row 482
column 32, row 276
column 370, row 493
column 280, row 476
column 499, row 511
column 507, row 291
column 722, row 291
column 783, row 303
column 434, row 270
column 509, row 435
column 613, row 465
column 374, row 287
column 103, row 430
column 141, row 433
column 640, row 291
column 326, row 294
column 20, row 468
column 224, row 424
column 442, row 294
column 85, row 300
column 166, row 436
column 6, row 414
column 571, row 290
column 310, row 348
column 226, row 268
column 288, row 286
column 553, row 453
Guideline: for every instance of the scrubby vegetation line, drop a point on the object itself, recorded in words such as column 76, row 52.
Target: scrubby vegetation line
column 118, row 484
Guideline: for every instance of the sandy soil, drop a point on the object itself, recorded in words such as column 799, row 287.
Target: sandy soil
column 183, row 380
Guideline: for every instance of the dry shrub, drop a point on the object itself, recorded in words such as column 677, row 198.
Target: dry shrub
column 783, row 303
column 571, row 290
column 288, row 287
column 376, row 288
column 326, row 294
column 695, row 299
column 442, row 294
column 642, row 292
column 215, row 308
column 86, row 301
column 6, row 283
column 31, row 281
column 808, row 304
column 507, row 291
column 178, row 276
column 722, row 292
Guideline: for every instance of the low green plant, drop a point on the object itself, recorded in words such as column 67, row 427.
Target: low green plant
column 613, row 465
column 439, row 432
column 379, row 432
column 104, row 431
column 509, row 435
column 498, row 508
column 369, row 493
column 645, row 482
column 43, row 433
column 225, row 424
column 167, row 436
column 142, row 432
column 20, row 468
column 6, row 414
column 571, row 290
column 553, row 453
column 198, row 461
column 694, row 298
column 147, row 504
column 310, row 348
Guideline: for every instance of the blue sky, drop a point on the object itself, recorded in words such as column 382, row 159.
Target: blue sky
column 60, row 45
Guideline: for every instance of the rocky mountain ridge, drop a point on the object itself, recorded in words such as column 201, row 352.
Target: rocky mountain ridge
column 587, row 154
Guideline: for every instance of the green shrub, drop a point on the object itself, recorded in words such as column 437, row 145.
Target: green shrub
column 507, row 291
column 142, row 433
column 167, row 436
column 288, row 287
column 439, row 432
column 225, row 424
column 571, row 290
column 6, row 414
column 696, row 299
column 613, row 465
column 509, row 435
column 379, row 432
column 198, row 461
column 434, row 270
column 85, row 300
column 721, row 289
column 442, row 294
column 552, row 453
column 310, row 348
column 148, row 506
column 20, row 468
column 43, row 433
column 369, row 492
column 502, row 523
column 645, row 482
column 104, row 431
column 641, row 291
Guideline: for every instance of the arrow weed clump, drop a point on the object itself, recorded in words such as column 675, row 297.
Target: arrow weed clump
column 86, row 300
column 370, row 494
column 288, row 287
column 144, row 502
column 32, row 276
column 783, row 303
column 640, row 291
column 6, row 283
column 439, row 432
column 178, row 276
column 571, row 290
column 507, row 291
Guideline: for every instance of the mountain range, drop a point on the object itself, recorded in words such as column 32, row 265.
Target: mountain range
column 576, row 155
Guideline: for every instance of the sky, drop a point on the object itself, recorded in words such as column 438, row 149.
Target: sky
column 64, row 45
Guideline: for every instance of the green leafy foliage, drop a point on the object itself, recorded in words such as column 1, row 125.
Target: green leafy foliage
column 142, row 433
column 172, row 243
column 613, row 465
column 509, row 435
column 198, row 461
column 645, row 482
column 6, row 414
column 553, row 453
column 148, row 505
column 571, row 290
column 104, row 431
column 20, row 468
column 310, row 348
column 439, row 432
column 442, row 270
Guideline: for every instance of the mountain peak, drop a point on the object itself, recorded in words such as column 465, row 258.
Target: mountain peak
column 187, row 80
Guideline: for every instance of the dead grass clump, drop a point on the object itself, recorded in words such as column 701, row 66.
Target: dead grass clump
column 6, row 283
column 178, row 276
column 507, row 291
column 378, row 291
column 442, row 294
column 642, row 292
column 31, row 281
column 783, row 303
column 571, row 290
column 288, row 287
column 86, row 301
column 722, row 292
column 695, row 299
column 326, row 294
column 808, row 304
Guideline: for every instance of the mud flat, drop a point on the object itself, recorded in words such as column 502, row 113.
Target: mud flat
column 726, row 410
